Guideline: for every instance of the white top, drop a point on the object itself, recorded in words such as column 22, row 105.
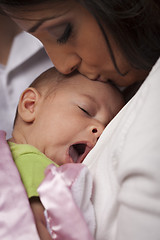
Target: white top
column 125, row 165
column 26, row 61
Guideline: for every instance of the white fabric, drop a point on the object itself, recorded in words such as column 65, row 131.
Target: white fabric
column 81, row 190
column 26, row 61
column 125, row 165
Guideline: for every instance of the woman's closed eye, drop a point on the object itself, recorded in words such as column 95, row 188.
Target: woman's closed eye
column 66, row 34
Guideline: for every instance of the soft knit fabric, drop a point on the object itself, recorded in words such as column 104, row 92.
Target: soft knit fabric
column 125, row 165
column 31, row 164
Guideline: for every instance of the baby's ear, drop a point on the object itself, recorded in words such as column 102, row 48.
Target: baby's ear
column 28, row 104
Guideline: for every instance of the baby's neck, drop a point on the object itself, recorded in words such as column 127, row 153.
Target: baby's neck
column 18, row 137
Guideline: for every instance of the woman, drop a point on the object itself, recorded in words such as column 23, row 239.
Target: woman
column 116, row 41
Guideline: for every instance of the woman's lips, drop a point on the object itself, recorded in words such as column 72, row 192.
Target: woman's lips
column 101, row 79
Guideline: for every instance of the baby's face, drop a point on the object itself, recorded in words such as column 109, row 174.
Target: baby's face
column 69, row 124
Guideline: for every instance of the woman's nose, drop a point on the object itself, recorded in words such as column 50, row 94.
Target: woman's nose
column 68, row 64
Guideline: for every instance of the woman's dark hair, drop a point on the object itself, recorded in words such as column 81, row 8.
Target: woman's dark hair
column 134, row 24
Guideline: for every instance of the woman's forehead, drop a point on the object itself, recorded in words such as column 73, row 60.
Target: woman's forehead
column 34, row 11
column 32, row 16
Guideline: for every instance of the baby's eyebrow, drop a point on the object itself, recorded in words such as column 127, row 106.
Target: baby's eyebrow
column 92, row 99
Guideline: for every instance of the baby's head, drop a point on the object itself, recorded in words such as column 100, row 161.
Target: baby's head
column 63, row 116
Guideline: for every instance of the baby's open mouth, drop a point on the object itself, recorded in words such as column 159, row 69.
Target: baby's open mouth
column 78, row 152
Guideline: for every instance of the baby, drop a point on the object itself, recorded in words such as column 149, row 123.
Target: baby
column 59, row 120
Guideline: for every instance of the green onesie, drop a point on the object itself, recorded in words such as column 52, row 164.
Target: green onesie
column 31, row 164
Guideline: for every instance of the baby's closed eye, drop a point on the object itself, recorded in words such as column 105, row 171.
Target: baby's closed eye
column 85, row 111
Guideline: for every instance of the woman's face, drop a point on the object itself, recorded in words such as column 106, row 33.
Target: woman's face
column 73, row 40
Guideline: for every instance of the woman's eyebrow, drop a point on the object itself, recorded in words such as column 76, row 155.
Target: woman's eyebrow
column 41, row 21
column 35, row 27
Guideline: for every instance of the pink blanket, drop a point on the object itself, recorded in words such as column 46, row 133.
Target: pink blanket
column 16, row 218
column 70, row 214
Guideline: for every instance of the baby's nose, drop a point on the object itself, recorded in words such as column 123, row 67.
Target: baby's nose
column 97, row 130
